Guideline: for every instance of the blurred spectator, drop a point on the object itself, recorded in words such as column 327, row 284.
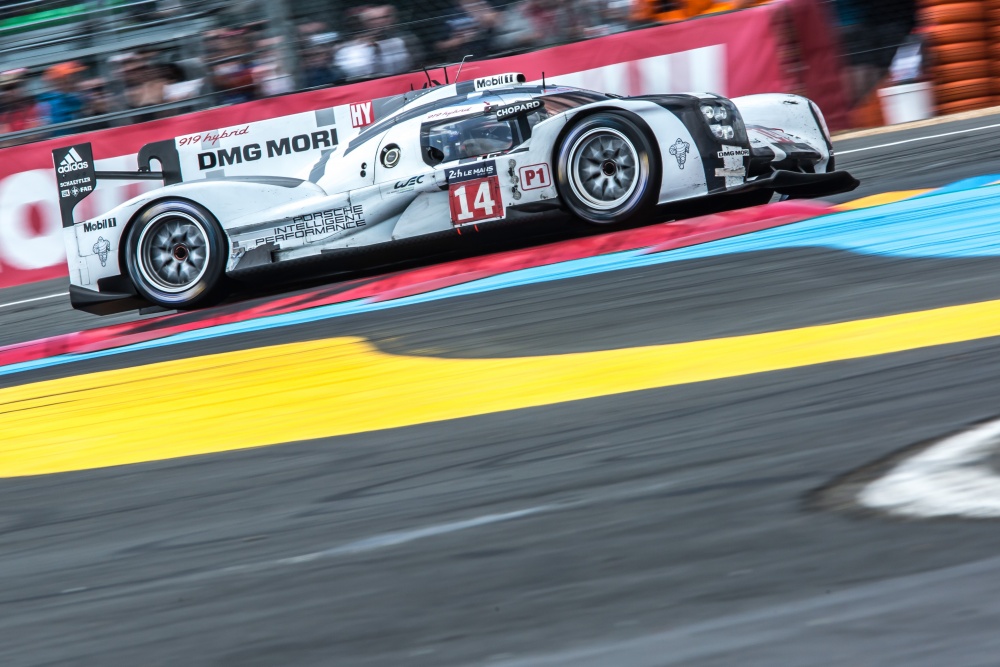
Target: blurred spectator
column 144, row 81
column 179, row 84
column 379, row 50
column 537, row 23
column 98, row 100
column 606, row 17
column 870, row 33
column 269, row 76
column 18, row 109
column 62, row 103
column 232, row 73
column 471, row 27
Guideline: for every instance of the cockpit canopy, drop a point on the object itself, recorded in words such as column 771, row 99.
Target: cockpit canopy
column 481, row 133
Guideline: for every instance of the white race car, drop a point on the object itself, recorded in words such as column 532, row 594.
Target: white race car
column 446, row 157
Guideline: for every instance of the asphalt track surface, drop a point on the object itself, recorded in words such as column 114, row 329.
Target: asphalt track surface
column 660, row 527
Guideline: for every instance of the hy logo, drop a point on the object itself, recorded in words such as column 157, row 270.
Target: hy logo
column 680, row 150
column 72, row 162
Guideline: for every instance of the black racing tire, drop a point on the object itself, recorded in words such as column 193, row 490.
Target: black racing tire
column 176, row 255
column 608, row 169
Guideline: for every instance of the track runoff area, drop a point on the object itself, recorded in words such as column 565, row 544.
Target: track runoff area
column 741, row 436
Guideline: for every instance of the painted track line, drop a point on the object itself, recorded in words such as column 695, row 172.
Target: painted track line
column 951, row 478
column 910, row 141
column 32, row 300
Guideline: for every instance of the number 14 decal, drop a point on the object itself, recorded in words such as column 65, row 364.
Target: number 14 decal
column 473, row 201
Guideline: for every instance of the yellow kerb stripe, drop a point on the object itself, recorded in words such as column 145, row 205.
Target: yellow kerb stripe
column 300, row 391
column 879, row 200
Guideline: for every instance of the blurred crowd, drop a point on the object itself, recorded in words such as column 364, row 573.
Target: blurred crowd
column 254, row 60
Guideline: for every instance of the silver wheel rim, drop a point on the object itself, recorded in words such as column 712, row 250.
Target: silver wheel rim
column 604, row 168
column 173, row 252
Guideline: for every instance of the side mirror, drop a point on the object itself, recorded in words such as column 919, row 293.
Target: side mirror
column 435, row 155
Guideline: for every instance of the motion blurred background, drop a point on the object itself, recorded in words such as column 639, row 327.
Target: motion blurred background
column 70, row 66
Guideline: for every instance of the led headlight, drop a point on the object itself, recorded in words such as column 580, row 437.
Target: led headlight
column 721, row 113
column 708, row 111
column 723, row 131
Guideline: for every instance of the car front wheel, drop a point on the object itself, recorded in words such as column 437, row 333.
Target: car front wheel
column 607, row 169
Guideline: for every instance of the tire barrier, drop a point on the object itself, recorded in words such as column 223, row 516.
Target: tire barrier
column 961, row 39
column 974, row 104
column 960, row 12
column 968, row 89
column 954, row 72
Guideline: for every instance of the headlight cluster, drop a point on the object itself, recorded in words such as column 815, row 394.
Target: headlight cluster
column 717, row 117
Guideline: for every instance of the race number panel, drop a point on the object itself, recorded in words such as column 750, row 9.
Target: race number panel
column 475, row 200
column 474, row 192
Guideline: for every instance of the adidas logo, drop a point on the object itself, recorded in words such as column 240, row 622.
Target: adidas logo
column 72, row 162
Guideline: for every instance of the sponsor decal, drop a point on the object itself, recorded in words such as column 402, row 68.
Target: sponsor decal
column 680, row 149
column 210, row 137
column 518, row 108
column 732, row 170
column 534, row 176
column 454, row 111
column 222, row 157
column 72, row 162
column 468, row 172
column 74, row 178
column 102, row 248
column 475, row 200
column 498, row 81
column 237, row 251
column 95, row 225
column 361, row 114
column 321, row 223
column 733, row 152
column 408, row 185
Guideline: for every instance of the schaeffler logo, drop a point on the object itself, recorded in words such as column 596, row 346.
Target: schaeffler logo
column 72, row 162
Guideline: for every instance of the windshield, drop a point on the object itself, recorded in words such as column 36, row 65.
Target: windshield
column 466, row 137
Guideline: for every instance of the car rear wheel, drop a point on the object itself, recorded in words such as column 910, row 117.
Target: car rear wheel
column 176, row 255
column 607, row 169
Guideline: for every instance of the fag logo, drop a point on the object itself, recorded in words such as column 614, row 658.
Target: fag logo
column 101, row 249
column 361, row 114
column 680, row 150
column 72, row 162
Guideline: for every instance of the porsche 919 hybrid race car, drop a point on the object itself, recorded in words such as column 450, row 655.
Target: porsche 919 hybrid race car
column 426, row 162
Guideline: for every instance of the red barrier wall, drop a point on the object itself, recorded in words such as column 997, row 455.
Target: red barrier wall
column 732, row 54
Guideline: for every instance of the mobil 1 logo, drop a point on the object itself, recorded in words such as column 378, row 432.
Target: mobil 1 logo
column 75, row 177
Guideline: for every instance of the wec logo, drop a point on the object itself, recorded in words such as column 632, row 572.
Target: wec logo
column 72, row 162
column 415, row 180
